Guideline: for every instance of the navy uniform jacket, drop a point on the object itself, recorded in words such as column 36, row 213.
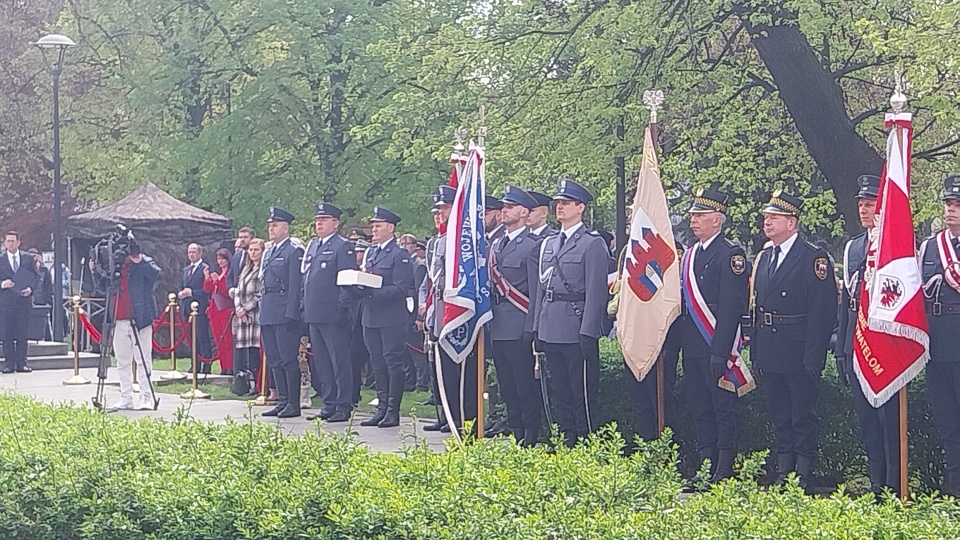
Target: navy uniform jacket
column 944, row 328
column 572, row 288
column 854, row 264
column 387, row 306
column 513, row 260
column 803, row 291
column 195, row 283
column 433, row 280
column 280, row 272
column 547, row 231
column 721, row 274
column 322, row 298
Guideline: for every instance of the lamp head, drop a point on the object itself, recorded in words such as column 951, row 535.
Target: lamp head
column 57, row 45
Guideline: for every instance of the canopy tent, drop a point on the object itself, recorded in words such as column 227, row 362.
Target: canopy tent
column 162, row 224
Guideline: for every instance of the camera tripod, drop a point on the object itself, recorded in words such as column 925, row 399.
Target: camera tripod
column 106, row 348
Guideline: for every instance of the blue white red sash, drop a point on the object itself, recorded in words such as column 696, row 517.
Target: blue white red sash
column 737, row 377
column 504, row 287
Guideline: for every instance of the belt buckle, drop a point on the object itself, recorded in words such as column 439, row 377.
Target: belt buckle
column 767, row 319
column 548, row 295
column 854, row 304
column 937, row 309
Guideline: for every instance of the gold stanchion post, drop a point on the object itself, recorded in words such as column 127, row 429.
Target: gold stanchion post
column 77, row 378
column 194, row 393
column 173, row 374
column 261, row 400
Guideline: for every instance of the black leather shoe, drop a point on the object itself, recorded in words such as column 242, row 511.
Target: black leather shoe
column 339, row 416
column 24, row 369
column 8, row 370
column 274, row 411
column 445, row 428
column 436, row 426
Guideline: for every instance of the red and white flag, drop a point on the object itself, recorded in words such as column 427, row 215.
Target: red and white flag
column 891, row 339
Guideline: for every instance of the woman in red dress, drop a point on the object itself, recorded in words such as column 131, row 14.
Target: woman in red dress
column 220, row 311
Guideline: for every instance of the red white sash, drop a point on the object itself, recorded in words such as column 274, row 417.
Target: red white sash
column 504, row 287
column 737, row 378
column 948, row 258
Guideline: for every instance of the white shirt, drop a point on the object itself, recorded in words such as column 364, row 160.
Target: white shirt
column 325, row 238
column 568, row 233
column 705, row 245
column 785, row 248
column 511, row 235
column 384, row 244
column 13, row 257
column 539, row 230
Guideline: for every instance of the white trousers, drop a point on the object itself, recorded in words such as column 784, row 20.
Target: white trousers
column 125, row 349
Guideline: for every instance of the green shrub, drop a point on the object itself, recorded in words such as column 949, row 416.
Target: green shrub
column 69, row 473
column 842, row 457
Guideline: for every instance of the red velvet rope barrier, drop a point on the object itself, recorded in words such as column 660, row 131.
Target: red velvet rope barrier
column 160, row 322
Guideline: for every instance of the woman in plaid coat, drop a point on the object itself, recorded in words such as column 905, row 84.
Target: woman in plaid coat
column 246, row 324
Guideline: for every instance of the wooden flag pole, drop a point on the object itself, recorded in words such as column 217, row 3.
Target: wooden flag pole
column 653, row 99
column 904, row 488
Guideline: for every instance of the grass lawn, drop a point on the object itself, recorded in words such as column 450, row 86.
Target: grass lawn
column 410, row 406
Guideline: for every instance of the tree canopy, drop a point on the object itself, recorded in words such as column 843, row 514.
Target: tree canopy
column 236, row 105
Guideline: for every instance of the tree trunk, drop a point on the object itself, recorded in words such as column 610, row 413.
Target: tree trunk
column 816, row 102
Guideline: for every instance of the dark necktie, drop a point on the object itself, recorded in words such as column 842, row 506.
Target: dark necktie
column 16, row 263
column 563, row 239
column 956, row 244
column 190, row 273
column 773, row 261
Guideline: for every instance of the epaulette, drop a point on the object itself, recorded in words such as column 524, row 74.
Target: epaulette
column 813, row 247
column 296, row 242
column 594, row 233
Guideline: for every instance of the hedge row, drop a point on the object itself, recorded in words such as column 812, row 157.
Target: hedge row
column 842, row 457
column 70, row 473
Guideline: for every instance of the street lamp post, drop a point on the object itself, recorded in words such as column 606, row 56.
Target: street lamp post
column 54, row 48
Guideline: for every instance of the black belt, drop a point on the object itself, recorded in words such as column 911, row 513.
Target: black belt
column 854, row 304
column 551, row 296
column 937, row 309
column 772, row 319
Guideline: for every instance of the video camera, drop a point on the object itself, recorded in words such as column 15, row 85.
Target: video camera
column 109, row 254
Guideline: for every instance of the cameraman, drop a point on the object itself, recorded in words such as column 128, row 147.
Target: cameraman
column 135, row 307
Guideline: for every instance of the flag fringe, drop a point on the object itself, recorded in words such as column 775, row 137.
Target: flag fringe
column 876, row 400
column 900, row 330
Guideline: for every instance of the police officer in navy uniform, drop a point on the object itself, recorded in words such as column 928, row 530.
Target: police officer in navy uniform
column 720, row 271
column 429, row 287
column 571, row 302
column 385, row 315
column 510, row 269
column 326, row 311
column 879, row 427
column 280, row 322
column 491, row 218
column 537, row 220
column 794, row 310
column 942, row 294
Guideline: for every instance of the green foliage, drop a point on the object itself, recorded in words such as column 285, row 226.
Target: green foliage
column 71, row 472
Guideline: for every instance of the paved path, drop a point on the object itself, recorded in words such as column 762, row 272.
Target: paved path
column 47, row 385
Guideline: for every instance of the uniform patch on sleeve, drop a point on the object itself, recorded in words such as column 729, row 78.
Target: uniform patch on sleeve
column 738, row 264
column 821, row 267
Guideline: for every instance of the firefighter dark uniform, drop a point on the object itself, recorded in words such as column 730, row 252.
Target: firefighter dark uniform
column 510, row 260
column 794, row 310
column 720, row 271
column 571, row 301
column 385, row 315
column 879, row 427
column 280, row 322
column 942, row 296
column 326, row 311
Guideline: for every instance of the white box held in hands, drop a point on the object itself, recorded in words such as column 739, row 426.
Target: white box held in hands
column 356, row 277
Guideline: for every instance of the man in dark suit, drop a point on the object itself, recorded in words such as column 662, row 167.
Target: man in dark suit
column 794, row 310
column 719, row 269
column 191, row 290
column 385, row 315
column 280, row 318
column 510, row 260
column 326, row 310
column 18, row 280
column 244, row 237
